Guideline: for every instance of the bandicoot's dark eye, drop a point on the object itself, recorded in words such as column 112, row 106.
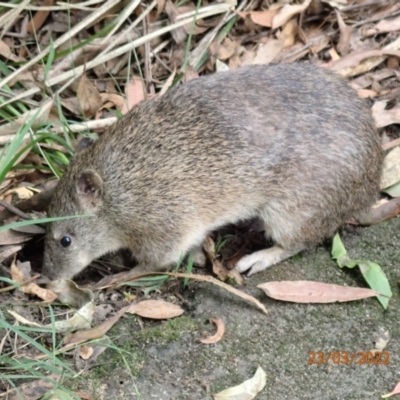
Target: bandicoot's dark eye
column 65, row 241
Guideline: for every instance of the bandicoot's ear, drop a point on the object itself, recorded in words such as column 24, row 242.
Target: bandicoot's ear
column 90, row 188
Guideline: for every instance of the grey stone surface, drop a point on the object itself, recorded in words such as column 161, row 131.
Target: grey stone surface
column 176, row 366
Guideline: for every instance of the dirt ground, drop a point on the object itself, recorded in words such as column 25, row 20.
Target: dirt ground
column 166, row 360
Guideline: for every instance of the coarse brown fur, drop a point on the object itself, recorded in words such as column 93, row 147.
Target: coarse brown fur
column 292, row 144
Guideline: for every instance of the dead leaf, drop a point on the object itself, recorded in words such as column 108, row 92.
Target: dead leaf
column 71, row 104
column 155, row 309
column 70, row 293
column 134, row 92
column 93, row 333
column 40, row 116
column 333, row 53
column 8, row 251
column 6, row 52
column 361, row 61
column 11, row 237
column 160, row 7
column 356, row 57
column 391, row 168
column 345, row 33
column 289, row 33
column 115, row 99
column 88, row 96
column 367, row 93
column 174, row 13
column 246, row 390
column 263, row 18
column 336, row 3
column 384, row 26
column 85, row 352
column 21, row 274
column 314, row 292
column 267, row 52
column 190, row 74
column 38, row 19
column 23, row 320
column 23, row 192
column 218, row 335
column 287, row 12
column 168, row 83
column 385, row 117
column 32, row 390
column 224, row 50
column 219, row 269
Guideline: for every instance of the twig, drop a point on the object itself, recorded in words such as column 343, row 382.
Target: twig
column 336, row 31
column 204, row 278
column 363, row 5
column 215, row 10
column 15, row 210
column 38, row 202
column 391, row 144
column 61, row 40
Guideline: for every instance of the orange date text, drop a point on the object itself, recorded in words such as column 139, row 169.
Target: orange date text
column 347, row 357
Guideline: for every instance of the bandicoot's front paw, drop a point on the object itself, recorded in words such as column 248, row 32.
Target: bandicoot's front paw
column 252, row 263
column 260, row 260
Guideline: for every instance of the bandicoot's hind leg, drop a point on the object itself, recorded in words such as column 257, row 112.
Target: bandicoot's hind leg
column 260, row 260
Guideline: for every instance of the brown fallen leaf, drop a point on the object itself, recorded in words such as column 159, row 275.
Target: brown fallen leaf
column 287, row 12
column 155, row 309
column 22, row 192
column 289, row 33
column 190, row 74
column 93, row 333
column 384, row 117
column 88, row 96
column 32, row 390
column 38, row 19
column 85, row 352
column 134, row 92
column 391, row 168
column 21, row 273
column 356, row 57
column 224, row 50
column 10, row 237
column 218, row 335
column 116, row 99
column 263, row 18
column 6, row 52
column 367, row 93
column 219, row 268
column 7, row 251
column 267, row 52
column 345, row 33
column 384, row 26
column 314, row 292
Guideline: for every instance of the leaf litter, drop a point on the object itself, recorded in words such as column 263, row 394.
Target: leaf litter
column 70, row 53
